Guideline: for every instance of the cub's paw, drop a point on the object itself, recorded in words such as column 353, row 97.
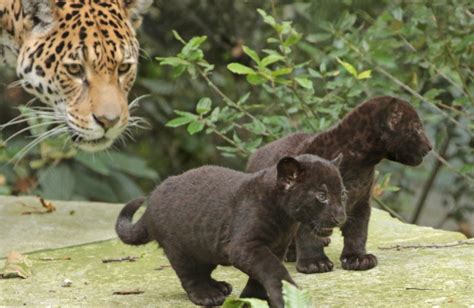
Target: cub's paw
column 315, row 265
column 223, row 286
column 358, row 262
column 207, row 296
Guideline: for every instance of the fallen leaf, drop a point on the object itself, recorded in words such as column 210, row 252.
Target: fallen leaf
column 17, row 266
column 47, row 205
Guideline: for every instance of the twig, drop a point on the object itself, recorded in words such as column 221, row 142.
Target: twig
column 388, row 209
column 422, row 289
column 54, row 259
column 431, row 178
column 131, row 292
column 230, row 102
column 429, row 246
column 124, row 259
column 162, row 267
column 402, row 84
column 451, row 167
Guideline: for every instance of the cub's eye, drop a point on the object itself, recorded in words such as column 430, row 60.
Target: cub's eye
column 124, row 68
column 75, row 70
column 322, row 197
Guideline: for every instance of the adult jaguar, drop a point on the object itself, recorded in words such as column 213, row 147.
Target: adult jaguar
column 78, row 56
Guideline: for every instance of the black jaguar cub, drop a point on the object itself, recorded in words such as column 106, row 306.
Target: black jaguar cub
column 213, row 216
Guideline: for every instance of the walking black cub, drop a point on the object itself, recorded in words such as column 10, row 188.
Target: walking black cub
column 213, row 216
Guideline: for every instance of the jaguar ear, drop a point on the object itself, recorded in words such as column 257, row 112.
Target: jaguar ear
column 39, row 14
column 289, row 169
column 338, row 160
column 136, row 9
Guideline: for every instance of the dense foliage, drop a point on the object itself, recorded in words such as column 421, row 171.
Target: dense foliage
column 235, row 75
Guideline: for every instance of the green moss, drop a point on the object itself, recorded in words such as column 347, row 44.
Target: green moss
column 445, row 275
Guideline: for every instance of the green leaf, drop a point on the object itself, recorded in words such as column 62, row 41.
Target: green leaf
column 240, row 69
column 172, row 61
column 204, row 105
column 179, row 122
column 267, row 18
column 193, row 45
column 195, row 127
column 282, row 71
column 57, row 182
column 233, row 302
column 256, row 127
column 304, row 82
column 178, row 37
column 5, row 191
column 243, row 98
column 215, row 115
column 255, row 79
column 92, row 162
column 130, row 165
column 124, row 187
column 271, row 59
column 294, row 297
column 252, row 54
column 294, row 38
column 186, row 114
column 365, row 75
column 348, row 67
column 94, row 187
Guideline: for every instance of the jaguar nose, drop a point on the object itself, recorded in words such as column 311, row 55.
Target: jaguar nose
column 105, row 121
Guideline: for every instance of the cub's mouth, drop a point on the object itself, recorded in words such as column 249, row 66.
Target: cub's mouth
column 323, row 232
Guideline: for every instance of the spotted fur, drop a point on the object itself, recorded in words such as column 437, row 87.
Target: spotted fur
column 79, row 56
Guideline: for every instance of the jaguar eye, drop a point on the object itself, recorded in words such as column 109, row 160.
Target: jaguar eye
column 75, row 70
column 322, row 197
column 124, row 68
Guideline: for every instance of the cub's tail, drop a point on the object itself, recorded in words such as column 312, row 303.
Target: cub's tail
column 132, row 233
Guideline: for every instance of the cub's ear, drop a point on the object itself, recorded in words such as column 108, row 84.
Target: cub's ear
column 136, row 9
column 39, row 14
column 289, row 169
column 394, row 115
column 338, row 160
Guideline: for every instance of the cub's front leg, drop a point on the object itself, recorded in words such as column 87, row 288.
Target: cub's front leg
column 310, row 252
column 265, row 270
column 354, row 256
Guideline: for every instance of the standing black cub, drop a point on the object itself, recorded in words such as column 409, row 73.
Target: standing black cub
column 380, row 128
column 213, row 216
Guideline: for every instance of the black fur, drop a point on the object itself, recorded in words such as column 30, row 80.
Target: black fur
column 383, row 127
column 213, row 216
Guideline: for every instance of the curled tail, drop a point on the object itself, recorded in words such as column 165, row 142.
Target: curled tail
column 132, row 233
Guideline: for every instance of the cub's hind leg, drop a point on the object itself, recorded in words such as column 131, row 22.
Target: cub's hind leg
column 196, row 280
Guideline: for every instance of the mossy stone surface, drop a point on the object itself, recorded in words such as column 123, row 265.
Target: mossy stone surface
column 407, row 277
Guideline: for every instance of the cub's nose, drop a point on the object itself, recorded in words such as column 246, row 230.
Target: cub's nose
column 338, row 220
column 106, row 122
